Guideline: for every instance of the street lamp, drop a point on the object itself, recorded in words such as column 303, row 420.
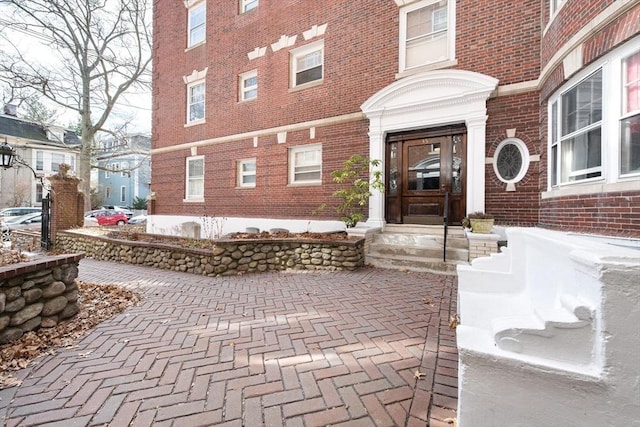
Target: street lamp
column 7, row 155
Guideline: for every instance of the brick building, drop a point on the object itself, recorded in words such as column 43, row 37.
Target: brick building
column 532, row 114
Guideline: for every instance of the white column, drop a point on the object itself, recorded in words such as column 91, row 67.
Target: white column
column 476, row 149
column 376, row 151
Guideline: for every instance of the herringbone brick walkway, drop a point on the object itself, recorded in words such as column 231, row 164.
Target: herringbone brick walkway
column 366, row 348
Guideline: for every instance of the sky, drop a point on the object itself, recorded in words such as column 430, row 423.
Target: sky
column 135, row 107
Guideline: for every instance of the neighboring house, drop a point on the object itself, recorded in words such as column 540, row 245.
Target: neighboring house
column 531, row 114
column 124, row 170
column 43, row 147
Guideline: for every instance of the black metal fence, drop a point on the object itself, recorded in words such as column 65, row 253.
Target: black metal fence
column 45, row 230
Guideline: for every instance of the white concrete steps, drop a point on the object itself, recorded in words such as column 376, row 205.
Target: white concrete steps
column 418, row 248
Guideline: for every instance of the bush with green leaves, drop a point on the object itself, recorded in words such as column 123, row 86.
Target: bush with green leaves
column 361, row 180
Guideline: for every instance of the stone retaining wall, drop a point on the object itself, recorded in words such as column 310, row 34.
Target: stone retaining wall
column 226, row 258
column 37, row 294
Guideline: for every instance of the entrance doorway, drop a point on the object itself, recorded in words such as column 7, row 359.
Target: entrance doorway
column 424, row 169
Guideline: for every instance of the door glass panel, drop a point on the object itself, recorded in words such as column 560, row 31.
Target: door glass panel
column 423, row 167
column 393, row 169
column 456, row 165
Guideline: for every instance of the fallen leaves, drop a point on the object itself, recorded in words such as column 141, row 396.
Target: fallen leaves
column 419, row 375
column 454, row 321
column 96, row 302
column 453, row 421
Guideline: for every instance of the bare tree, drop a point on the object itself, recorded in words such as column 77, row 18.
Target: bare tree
column 103, row 51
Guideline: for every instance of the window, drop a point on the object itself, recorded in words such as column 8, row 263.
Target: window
column 511, row 160
column 247, row 173
column 247, row 5
column 38, row 193
column 56, row 161
column 555, row 5
column 195, row 178
column 307, row 64
column 630, row 122
column 576, row 150
column 124, row 168
column 594, row 126
column 107, row 172
column 39, row 160
column 197, row 24
column 195, row 102
column 123, row 194
column 426, row 33
column 305, row 164
column 107, row 193
column 248, row 85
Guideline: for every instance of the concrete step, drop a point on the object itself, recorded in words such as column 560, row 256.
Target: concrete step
column 434, row 251
column 436, row 230
column 420, row 240
column 412, row 263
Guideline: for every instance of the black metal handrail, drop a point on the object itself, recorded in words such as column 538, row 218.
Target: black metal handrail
column 446, row 225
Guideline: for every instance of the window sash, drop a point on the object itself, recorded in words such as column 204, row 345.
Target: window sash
column 248, row 86
column 248, row 5
column 196, row 102
column 426, row 34
column 576, row 132
column 56, row 161
column 247, row 173
column 39, row 160
column 308, row 66
column 195, row 178
column 630, row 121
column 123, row 194
column 197, row 27
column 306, row 165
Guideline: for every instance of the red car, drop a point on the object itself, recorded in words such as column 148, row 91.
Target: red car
column 108, row 217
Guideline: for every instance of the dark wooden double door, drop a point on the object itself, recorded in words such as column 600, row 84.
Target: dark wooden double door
column 424, row 169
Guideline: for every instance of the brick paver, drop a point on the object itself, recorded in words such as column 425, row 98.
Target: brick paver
column 366, row 348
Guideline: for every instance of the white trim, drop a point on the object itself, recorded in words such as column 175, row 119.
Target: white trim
column 432, row 99
column 293, row 127
column 524, row 153
column 198, row 120
column 241, row 173
column 242, row 90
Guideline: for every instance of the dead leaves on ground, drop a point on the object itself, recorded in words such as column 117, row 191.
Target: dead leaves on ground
column 96, row 302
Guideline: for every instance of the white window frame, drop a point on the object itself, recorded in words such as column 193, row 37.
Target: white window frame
column 294, row 168
column 123, row 169
column 189, row 179
column 244, row 91
column 107, row 171
column 624, row 114
column 190, row 29
column 610, row 180
column 555, row 6
column 243, row 174
column 301, row 52
column 247, row 5
column 123, row 193
column 58, row 156
column 40, row 161
column 451, row 36
column 524, row 154
column 190, row 87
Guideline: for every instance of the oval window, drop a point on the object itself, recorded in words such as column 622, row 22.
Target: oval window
column 511, row 160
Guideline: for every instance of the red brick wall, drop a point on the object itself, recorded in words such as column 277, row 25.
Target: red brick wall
column 518, row 112
column 572, row 17
column 272, row 197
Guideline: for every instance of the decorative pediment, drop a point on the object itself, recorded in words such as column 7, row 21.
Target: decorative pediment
column 195, row 76
column 432, row 88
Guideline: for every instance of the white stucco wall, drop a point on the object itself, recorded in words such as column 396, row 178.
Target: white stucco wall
column 550, row 334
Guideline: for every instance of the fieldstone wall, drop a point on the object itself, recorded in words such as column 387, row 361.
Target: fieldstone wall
column 37, row 294
column 226, row 258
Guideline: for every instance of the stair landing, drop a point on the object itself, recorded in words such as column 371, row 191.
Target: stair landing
column 418, row 248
